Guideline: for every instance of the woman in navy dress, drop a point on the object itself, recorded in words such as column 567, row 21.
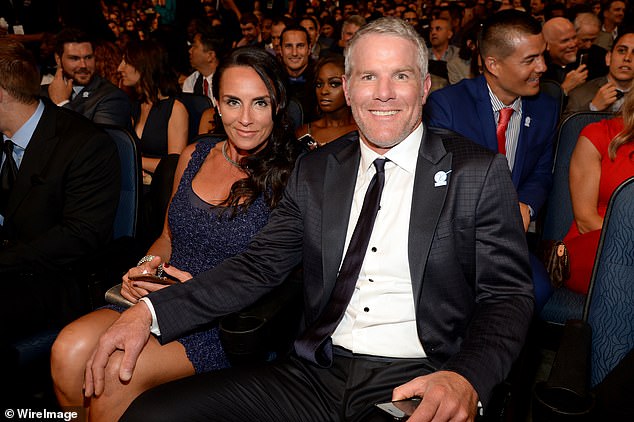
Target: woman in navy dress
column 224, row 190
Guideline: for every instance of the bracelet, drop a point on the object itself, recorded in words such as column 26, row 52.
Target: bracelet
column 146, row 258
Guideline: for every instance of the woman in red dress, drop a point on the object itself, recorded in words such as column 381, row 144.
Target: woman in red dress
column 602, row 159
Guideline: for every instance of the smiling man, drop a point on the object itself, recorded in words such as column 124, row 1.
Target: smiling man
column 561, row 57
column 408, row 289
column 511, row 49
column 295, row 47
column 76, row 85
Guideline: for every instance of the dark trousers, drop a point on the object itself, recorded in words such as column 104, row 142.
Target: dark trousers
column 293, row 390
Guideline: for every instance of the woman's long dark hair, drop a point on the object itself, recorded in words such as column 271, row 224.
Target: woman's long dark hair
column 151, row 60
column 267, row 170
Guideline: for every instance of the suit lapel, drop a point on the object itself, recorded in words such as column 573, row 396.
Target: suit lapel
column 36, row 158
column 339, row 181
column 485, row 115
column 427, row 203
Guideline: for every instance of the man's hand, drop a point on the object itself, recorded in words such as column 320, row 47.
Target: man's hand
column 574, row 78
column 129, row 333
column 526, row 215
column 605, row 97
column 447, row 396
column 60, row 88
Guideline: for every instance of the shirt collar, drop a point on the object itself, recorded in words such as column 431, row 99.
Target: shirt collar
column 498, row 105
column 23, row 135
column 404, row 155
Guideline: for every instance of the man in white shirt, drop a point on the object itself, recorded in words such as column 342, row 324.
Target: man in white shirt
column 437, row 305
column 204, row 55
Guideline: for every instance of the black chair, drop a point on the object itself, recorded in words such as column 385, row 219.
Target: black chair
column 558, row 217
column 196, row 104
column 553, row 89
column 593, row 345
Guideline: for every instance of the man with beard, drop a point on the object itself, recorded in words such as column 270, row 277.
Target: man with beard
column 504, row 111
column 76, row 85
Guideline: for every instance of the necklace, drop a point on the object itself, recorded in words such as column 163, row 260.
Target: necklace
column 229, row 160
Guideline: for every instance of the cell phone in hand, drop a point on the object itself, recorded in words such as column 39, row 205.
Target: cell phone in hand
column 400, row 410
column 583, row 59
column 153, row 279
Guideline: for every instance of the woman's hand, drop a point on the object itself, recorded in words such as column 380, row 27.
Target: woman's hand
column 130, row 289
column 133, row 290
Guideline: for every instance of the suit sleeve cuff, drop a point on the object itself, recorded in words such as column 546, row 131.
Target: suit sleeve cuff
column 154, row 328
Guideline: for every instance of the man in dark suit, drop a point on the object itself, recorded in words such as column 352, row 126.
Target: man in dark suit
column 76, row 85
column 59, row 189
column 511, row 48
column 438, row 303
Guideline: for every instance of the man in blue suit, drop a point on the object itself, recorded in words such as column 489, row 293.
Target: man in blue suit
column 512, row 49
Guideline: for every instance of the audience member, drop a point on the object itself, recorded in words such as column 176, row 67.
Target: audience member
column 460, row 302
column 467, row 63
column 612, row 12
column 350, row 26
column 276, row 36
column 537, row 9
column 160, row 122
column 587, row 27
column 440, row 33
column 295, row 44
column 440, row 52
column 204, row 55
column 561, row 60
column 250, row 29
column 108, row 55
column 318, row 46
column 335, row 115
column 59, row 189
column 77, row 86
column 248, row 170
column 159, row 119
column 603, row 158
column 607, row 92
column 504, row 111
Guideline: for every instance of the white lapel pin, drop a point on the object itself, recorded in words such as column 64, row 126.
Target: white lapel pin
column 527, row 122
column 440, row 178
column 85, row 94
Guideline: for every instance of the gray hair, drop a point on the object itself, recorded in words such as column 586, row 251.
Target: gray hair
column 587, row 19
column 391, row 26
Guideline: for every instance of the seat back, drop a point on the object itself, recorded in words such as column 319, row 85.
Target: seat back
column 564, row 304
column 196, row 104
column 553, row 89
column 610, row 306
column 558, row 215
column 125, row 224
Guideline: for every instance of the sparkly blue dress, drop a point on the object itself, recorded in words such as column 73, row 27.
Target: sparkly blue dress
column 203, row 237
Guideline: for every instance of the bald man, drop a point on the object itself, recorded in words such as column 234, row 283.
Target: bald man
column 561, row 57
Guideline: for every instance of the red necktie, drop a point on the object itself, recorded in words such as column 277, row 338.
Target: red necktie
column 503, row 122
column 205, row 87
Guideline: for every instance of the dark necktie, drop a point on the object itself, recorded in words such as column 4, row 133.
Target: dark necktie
column 312, row 345
column 503, row 122
column 8, row 174
column 205, row 87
